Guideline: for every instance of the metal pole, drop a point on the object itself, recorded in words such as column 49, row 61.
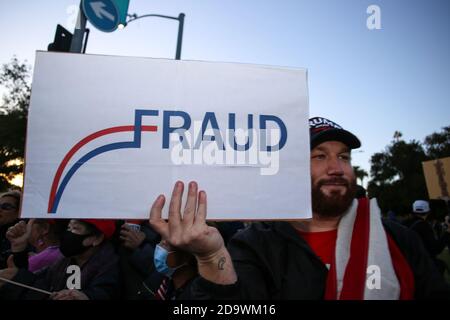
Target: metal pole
column 180, row 35
column 86, row 40
column 78, row 35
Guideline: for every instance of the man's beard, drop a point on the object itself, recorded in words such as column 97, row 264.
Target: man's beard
column 335, row 204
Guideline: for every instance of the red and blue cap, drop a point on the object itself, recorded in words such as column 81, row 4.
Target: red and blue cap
column 322, row 130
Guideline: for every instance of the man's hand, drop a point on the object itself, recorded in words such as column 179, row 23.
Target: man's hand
column 69, row 295
column 189, row 232
column 10, row 262
column 19, row 234
column 8, row 274
column 132, row 239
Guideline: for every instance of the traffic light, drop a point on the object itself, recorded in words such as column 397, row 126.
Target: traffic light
column 63, row 39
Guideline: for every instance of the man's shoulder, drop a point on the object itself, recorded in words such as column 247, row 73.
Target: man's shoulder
column 266, row 231
column 263, row 227
column 418, row 225
column 404, row 237
column 397, row 229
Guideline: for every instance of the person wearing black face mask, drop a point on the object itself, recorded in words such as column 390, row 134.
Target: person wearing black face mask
column 85, row 246
column 73, row 244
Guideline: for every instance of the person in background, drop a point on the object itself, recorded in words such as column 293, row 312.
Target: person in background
column 9, row 216
column 136, row 248
column 392, row 216
column 85, row 247
column 43, row 236
column 174, row 269
column 434, row 244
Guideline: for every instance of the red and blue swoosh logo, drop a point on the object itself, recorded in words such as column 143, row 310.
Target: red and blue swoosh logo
column 60, row 181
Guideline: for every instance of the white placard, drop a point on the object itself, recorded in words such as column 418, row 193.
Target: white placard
column 102, row 138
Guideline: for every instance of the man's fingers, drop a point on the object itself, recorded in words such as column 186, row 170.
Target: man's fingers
column 10, row 262
column 175, row 210
column 191, row 204
column 200, row 217
column 17, row 230
column 132, row 236
column 30, row 224
column 175, row 206
column 125, row 232
column 157, row 223
column 21, row 227
column 57, row 295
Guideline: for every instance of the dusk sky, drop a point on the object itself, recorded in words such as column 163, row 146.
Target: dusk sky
column 372, row 82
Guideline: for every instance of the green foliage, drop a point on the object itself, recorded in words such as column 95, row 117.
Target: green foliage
column 397, row 173
column 360, row 174
column 438, row 144
column 13, row 118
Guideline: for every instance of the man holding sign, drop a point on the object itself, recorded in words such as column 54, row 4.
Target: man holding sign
column 223, row 125
column 344, row 252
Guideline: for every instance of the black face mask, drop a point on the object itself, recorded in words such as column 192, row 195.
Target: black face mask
column 71, row 244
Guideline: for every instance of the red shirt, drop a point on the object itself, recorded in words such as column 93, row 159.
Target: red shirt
column 323, row 244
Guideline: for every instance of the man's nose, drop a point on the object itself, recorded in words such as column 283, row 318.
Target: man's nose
column 335, row 166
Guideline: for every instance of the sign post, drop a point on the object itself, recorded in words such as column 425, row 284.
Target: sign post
column 78, row 35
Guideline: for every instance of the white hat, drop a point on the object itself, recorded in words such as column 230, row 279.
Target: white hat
column 421, row 206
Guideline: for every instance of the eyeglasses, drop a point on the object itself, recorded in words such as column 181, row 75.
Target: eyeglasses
column 7, row 206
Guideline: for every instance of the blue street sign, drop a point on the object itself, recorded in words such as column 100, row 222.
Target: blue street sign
column 102, row 14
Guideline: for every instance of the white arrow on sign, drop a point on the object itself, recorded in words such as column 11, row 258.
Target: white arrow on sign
column 100, row 12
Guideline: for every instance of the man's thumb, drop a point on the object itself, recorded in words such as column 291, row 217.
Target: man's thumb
column 30, row 225
column 10, row 262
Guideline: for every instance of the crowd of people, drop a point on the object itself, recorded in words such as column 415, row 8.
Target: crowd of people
column 347, row 251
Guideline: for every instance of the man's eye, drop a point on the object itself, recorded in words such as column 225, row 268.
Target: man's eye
column 319, row 156
column 345, row 157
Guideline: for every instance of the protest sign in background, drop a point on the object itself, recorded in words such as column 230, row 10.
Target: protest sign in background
column 437, row 177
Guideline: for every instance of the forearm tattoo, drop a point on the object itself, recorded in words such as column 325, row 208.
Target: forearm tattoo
column 221, row 263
